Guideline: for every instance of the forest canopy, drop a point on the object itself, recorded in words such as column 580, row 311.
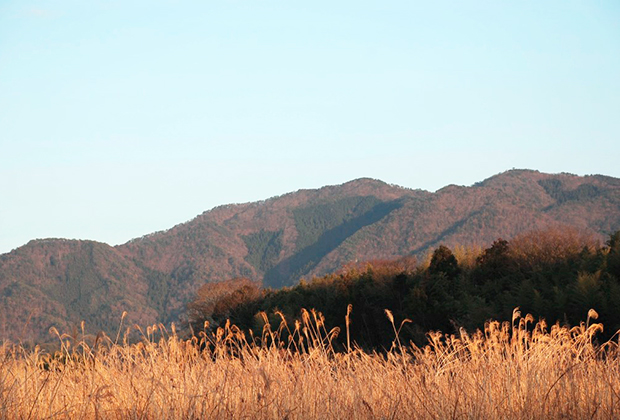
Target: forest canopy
column 554, row 274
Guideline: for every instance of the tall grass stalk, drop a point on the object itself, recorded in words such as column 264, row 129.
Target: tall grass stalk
column 514, row 370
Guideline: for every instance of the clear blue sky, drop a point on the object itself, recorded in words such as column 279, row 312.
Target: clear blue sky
column 120, row 118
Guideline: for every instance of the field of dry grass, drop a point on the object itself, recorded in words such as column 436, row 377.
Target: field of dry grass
column 512, row 371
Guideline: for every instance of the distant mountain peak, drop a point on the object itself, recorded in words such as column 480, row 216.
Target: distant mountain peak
column 365, row 181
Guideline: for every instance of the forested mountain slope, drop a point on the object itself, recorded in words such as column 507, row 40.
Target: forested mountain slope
column 57, row 282
column 280, row 240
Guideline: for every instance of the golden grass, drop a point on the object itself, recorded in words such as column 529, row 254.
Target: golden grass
column 509, row 371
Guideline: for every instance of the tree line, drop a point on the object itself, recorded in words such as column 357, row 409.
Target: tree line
column 556, row 274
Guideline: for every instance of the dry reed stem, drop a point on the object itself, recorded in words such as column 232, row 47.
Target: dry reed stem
column 510, row 371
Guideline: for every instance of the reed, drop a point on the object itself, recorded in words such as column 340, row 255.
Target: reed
column 512, row 370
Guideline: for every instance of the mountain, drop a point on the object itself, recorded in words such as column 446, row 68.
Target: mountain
column 57, row 282
column 280, row 240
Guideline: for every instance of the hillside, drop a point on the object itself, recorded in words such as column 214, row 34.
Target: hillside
column 59, row 283
column 279, row 240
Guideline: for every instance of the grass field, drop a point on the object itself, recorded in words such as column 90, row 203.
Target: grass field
column 512, row 371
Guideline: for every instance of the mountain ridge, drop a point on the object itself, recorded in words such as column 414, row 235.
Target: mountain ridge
column 279, row 240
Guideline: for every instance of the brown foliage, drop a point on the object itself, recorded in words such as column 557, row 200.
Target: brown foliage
column 382, row 268
column 549, row 246
column 221, row 298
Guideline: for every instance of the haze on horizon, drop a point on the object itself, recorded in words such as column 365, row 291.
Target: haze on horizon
column 121, row 118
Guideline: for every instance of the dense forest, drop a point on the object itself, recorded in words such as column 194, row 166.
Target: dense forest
column 556, row 275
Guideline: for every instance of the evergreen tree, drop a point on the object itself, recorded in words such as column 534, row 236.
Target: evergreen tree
column 444, row 261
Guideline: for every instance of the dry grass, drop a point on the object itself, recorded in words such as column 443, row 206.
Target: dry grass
column 507, row 371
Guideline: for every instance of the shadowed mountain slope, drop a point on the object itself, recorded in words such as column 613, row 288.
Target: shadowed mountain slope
column 280, row 240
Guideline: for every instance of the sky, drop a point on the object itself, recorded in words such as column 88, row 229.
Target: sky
column 121, row 118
